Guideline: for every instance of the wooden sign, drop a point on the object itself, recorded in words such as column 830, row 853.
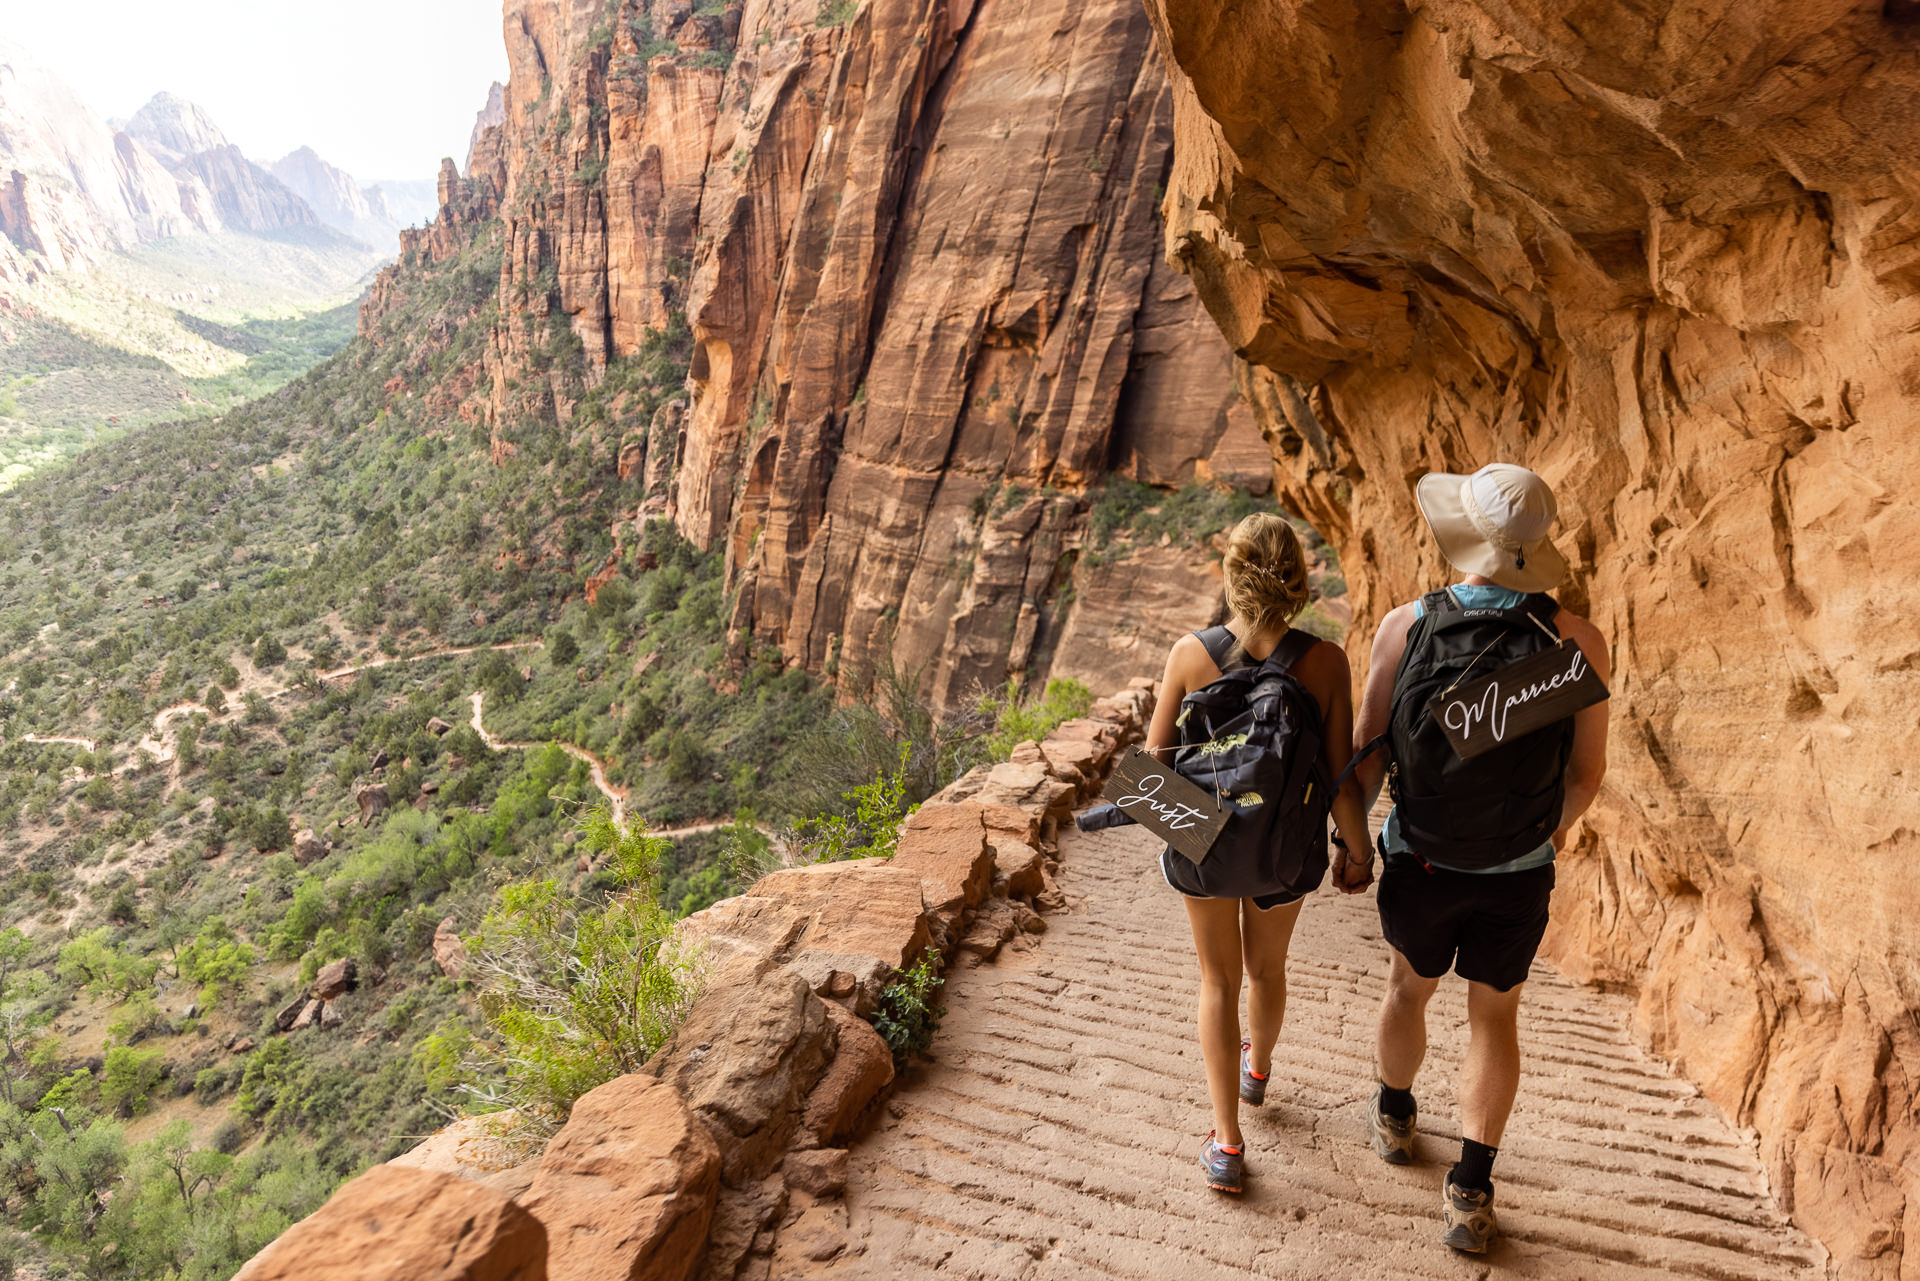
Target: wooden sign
column 1538, row 690
column 1182, row 814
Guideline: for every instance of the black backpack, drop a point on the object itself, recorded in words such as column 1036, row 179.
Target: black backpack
column 1477, row 813
column 1253, row 738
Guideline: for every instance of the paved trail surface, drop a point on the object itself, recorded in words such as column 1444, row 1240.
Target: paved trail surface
column 1055, row 1135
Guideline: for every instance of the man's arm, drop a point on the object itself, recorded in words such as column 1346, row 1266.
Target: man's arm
column 1588, row 765
column 1377, row 701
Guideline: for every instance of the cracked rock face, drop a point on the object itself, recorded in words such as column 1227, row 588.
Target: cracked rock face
column 916, row 243
column 1670, row 258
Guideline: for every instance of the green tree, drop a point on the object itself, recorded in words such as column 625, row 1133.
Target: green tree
column 128, row 1076
column 216, row 960
column 21, row 1025
column 562, row 648
column 268, row 651
column 574, row 995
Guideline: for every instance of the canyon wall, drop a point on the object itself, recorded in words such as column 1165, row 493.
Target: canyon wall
column 1667, row 256
column 914, row 247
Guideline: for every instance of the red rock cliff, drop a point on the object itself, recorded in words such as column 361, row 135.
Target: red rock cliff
column 1667, row 256
column 917, row 244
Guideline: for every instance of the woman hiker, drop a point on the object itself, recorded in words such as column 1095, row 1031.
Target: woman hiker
column 1243, row 898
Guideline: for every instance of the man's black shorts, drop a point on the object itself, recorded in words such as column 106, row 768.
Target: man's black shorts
column 1484, row 927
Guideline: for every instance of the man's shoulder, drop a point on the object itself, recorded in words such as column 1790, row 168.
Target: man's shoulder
column 1581, row 631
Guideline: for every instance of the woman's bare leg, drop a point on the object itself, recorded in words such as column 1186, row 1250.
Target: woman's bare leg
column 1216, row 937
column 1264, row 938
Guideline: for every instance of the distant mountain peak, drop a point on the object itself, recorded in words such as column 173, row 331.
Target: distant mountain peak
column 175, row 128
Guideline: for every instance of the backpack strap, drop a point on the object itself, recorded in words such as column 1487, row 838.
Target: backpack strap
column 1219, row 643
column 1438, row 602
column 1292, row 648
column 1543, row 609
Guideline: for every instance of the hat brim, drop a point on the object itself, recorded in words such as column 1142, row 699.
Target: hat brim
column 1438, row 494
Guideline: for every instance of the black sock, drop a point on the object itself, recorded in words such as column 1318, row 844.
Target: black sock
column 1397, row 1104
column 1475, row 1170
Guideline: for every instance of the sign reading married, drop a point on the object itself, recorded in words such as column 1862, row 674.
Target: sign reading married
column 1183, row 815
column 1518, row 699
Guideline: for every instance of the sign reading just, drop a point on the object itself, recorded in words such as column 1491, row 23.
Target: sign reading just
column 1186, row 817
column 1538, row 690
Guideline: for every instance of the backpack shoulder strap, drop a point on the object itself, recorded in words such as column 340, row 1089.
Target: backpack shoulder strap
column 1292, row 648
column 1438, row 602
column 1543, row 609
column 1218, row 642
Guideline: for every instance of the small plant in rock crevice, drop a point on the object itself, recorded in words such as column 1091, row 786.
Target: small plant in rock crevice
column 908, row 1016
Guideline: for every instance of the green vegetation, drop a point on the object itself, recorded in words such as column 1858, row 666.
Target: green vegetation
column 1016, row 721
column 1127, row 513
column 180, row 329
column 837, row 13
column 871, row 830
column 575, row 991
column 907, row 1017
column 156, row 920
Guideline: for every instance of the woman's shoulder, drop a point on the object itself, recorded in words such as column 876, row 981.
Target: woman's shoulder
column 1323, row 668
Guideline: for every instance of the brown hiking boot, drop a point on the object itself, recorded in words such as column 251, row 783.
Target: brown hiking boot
column 1470, row 1223
column 1392, row 1137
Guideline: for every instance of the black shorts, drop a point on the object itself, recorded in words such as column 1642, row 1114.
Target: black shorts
column 1265, row 902
column 1484, row 927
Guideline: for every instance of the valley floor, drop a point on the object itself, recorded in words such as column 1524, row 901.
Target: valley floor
column 1056, row 1132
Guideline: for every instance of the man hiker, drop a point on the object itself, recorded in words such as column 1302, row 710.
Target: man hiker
column 1469, row 847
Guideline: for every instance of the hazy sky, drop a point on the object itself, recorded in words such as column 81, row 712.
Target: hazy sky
column 381, row 88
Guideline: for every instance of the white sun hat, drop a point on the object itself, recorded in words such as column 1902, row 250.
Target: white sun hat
column 1495, row 523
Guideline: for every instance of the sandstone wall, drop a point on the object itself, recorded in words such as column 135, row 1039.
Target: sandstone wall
column 917, row 242
column 1667, row 256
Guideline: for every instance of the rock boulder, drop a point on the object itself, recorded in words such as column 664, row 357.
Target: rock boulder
column 398, row 1222
column 626, row 1189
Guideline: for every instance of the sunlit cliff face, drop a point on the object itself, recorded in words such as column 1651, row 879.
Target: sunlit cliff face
column 1669, row 258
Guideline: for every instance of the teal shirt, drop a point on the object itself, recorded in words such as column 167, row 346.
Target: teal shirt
column 1472, row 596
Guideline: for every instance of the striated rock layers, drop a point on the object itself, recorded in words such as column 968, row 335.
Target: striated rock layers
column 916, row 244
column 1669, row 256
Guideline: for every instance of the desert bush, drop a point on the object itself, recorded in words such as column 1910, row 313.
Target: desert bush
column 573, row 993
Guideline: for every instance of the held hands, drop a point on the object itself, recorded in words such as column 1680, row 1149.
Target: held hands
column 1352, row 869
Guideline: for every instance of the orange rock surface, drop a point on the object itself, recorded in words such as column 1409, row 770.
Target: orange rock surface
column 917, row 246
column 1667, row 256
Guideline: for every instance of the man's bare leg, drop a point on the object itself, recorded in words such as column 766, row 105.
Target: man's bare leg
column 1491, row 1075
column 1403, row 1024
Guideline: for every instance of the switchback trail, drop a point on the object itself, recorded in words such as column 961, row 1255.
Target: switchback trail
column 616, row 796
column 1056, row 1132
column 161, row 747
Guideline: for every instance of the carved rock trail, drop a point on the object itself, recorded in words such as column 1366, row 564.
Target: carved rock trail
column 1055, row 1132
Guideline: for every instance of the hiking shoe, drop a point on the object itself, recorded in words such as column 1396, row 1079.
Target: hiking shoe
column 1392, row 1137
column 1253, row 1086
column 1469, row 1218
column 1225, row 1167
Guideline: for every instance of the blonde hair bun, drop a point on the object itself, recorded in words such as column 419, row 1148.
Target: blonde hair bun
column 1266, row 570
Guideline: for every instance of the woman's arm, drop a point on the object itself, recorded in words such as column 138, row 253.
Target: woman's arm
column 1163, row 732
column 1353, row 865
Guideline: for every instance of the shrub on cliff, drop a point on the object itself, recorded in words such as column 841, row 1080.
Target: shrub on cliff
column 1016, row 720
column 574, row 993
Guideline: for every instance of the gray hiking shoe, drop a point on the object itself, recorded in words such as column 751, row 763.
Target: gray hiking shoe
column 1469, row 1218
column 1392, row 1137
column 1225, row 1168
column 1253, row 1086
